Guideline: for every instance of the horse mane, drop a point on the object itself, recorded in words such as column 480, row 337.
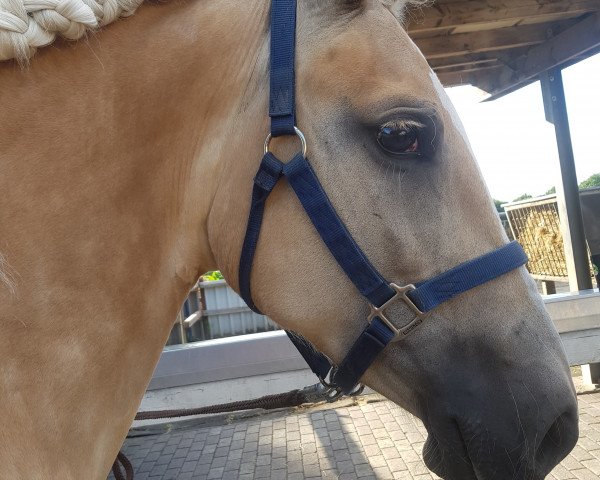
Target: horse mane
column 26, row 25
column 402, row 8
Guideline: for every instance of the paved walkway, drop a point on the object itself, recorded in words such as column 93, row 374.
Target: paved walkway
column 368, row 439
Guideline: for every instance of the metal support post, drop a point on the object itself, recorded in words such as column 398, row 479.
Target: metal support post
column 567, row 190
column 567, row 195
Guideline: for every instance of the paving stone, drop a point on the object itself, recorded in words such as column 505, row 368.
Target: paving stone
column 396, row 465
column 202, row 469
column 231, row 475
column 188, row 467
column 262, row 471
column 171, row 474
column 215, row 473
column 221, row 451
column 585, row 474
column 347, row 476
column 218, row 462
column 279, row 474
column 345, row 466
column 295, row 467
column 341, row 455
column 296, row 476
column 263, row 460
column 383, row 473
column 247, row 468
column 312, row 470
column 264, row 450
column 176, row 462
column 232, row 465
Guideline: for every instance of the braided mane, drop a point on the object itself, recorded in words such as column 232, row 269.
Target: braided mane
column 26, row 25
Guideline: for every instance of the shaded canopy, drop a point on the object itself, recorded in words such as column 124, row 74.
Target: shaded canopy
column 502, row 45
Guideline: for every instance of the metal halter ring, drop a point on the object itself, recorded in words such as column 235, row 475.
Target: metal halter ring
column 299, row 134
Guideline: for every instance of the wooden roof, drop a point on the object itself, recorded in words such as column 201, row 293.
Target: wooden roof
column 502, row 45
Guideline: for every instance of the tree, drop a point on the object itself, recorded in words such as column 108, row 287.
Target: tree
column 525, row 196
column 498, row 204
column 212, row 276
column 593, row 181
column 550, row 191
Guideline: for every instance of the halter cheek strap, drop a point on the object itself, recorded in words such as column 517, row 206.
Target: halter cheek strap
column 381, row 294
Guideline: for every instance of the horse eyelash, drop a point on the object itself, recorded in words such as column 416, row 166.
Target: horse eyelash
column 405, row 124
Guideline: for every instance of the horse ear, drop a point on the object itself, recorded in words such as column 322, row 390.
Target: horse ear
column 400, row 7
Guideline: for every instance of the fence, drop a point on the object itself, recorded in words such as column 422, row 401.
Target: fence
column 506, row 225
column 225, row 314
column 213, row 310
column 535, row 223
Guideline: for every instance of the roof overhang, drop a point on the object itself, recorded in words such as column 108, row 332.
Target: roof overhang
column 502, row 45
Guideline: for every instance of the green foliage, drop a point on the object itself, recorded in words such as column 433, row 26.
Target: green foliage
column 525, row 196
column 593, row 181
column 212, row 276
column 498, row 204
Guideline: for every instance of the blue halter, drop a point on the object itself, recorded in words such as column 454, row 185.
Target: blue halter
column 381, row 294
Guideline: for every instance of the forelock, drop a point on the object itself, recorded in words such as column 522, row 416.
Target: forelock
column 400, row 8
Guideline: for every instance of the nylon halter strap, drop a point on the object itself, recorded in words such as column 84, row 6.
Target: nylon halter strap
column 420, row 298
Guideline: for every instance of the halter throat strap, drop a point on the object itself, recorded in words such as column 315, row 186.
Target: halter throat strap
column 381, row 294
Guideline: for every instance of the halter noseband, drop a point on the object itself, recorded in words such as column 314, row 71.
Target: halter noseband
column 381, row 294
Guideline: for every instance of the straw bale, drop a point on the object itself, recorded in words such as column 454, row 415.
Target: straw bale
column 543, row 242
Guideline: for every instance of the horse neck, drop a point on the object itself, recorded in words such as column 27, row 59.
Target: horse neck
column 109, row 153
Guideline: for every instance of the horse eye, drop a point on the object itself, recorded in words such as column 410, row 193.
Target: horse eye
column 399, row 137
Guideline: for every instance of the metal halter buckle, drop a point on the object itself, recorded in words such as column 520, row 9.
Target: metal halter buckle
column 320, row 393
column 331, row 392
column 401, row 294
column 299, row 134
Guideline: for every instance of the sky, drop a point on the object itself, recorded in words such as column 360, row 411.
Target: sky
column 516, row 147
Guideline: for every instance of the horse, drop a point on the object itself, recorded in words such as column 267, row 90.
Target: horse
column 127, row 163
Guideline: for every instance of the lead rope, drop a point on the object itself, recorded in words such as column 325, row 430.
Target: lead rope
column 312, row 394
column 116, row 468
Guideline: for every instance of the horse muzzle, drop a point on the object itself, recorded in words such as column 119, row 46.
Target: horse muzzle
column 469, row 449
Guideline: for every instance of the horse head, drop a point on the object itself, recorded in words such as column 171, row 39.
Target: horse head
column 486, row 371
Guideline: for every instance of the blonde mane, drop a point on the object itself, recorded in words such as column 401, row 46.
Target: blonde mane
column 26, row 25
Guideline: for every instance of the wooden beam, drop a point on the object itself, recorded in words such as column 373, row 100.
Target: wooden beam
column 468, row 77
column 506, row 57
column 487, row 41
column 574, row 43
column 494, row 13
column 439, row 64
column 475, row 69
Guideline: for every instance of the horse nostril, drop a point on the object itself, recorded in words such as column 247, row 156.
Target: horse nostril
column 559, row 440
